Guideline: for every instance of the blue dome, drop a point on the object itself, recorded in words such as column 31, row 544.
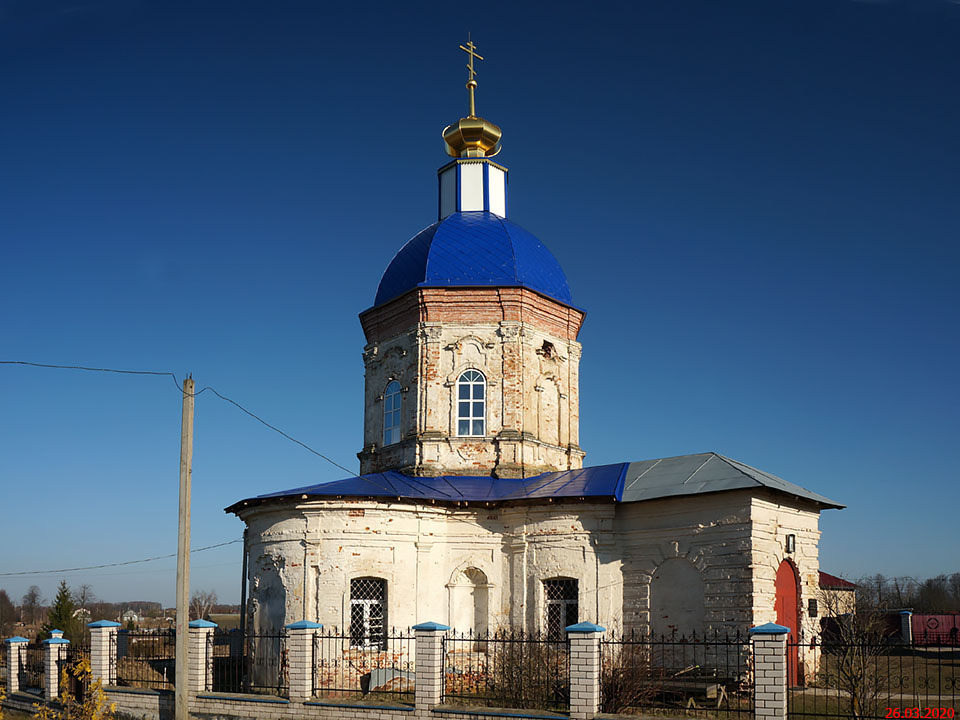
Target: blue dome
column 474, row 249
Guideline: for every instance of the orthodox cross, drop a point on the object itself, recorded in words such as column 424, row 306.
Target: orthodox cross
column 471, row 50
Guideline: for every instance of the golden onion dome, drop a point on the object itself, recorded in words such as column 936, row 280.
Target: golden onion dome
column 472, row 137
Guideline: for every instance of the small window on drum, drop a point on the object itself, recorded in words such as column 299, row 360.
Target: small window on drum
column 368, row 613
column 562, row 598
column 471, row 404
column 392, row 400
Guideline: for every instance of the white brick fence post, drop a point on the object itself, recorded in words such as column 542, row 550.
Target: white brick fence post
column 300, row 659
column 770, row 671
column 429, row 664
column 200, row 656
column 54, row 648
column 103, row 648
column 13, row 647
column 584, row 669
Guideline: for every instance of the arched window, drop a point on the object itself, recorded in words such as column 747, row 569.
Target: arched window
column 391, row 413
column 471, row 404
column 368, row 612
column 562, row 598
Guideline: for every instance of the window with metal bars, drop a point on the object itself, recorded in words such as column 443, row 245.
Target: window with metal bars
column 392, row 400
column 562, row 599
column 471, row 404
column 368, row 612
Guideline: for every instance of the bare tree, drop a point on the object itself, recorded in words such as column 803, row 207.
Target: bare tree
column 201, row 602
column 7, row 614
column 31, row 604
column 853, row 644
column 85, row 597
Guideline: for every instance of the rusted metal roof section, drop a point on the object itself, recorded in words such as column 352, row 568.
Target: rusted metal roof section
column 620, row 482
column 704, row 473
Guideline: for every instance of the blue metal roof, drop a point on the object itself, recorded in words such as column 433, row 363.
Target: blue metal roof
column 621, row 482
column 469, row 249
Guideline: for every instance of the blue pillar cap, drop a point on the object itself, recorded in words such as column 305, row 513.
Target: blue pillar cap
column 304, row 625
column 585, row 627
column 103, row 624
column 431, row 626
column 56, row 641
column 16, row 639
column 202, row 624
column 769, row 629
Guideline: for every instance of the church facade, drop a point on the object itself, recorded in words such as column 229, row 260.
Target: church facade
column 473, row 507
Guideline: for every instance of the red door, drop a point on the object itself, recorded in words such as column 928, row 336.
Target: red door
column 787, row 614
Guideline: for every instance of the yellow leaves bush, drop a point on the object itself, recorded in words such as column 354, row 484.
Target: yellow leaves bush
column 94, row 706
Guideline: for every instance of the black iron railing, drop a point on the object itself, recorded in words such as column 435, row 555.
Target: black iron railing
column 249, row 662
column 510, row 669
column 68, row 669
column 872, row 678
column 146, row 658
column 31, row 668
column 346, row 665
column 708, row 675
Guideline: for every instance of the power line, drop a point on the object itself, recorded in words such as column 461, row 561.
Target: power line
column 180, row 389
column 116, row 564
column 278, row 430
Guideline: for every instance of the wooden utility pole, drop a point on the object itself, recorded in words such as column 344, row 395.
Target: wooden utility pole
column 181, row 711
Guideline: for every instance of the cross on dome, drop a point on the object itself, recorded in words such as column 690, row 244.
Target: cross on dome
column 472, row 136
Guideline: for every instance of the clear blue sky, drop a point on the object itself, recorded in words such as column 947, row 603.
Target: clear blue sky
column 756, row 202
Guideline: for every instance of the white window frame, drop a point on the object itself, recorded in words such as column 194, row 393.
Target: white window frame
column 392, row 413
column 471, row 396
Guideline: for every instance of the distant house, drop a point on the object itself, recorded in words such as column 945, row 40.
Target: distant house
column 82, row 614
column 130, row 616
column 837, row 596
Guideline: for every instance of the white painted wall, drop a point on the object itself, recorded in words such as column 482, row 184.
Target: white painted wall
column 435, row 560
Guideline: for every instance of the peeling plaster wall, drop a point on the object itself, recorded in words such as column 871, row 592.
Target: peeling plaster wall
column 525, row 346
column 433, row 557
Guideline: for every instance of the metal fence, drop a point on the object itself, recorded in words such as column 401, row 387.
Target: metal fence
column 507, row 668
column 71, row 656
column 702, row 675
column 349, row 664
column 31, row 668
column 874, row 678
column 249, row 662
column 145, row 658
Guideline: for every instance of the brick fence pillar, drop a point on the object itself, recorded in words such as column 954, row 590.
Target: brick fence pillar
column 103, row 648
column 770, row 671
column 584, row 669
column 54, row 648
column 200, row 656
column 12, row 647
column 429, row 664
column 300, row 660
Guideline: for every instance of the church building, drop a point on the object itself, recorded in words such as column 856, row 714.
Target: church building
column 473, row 507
